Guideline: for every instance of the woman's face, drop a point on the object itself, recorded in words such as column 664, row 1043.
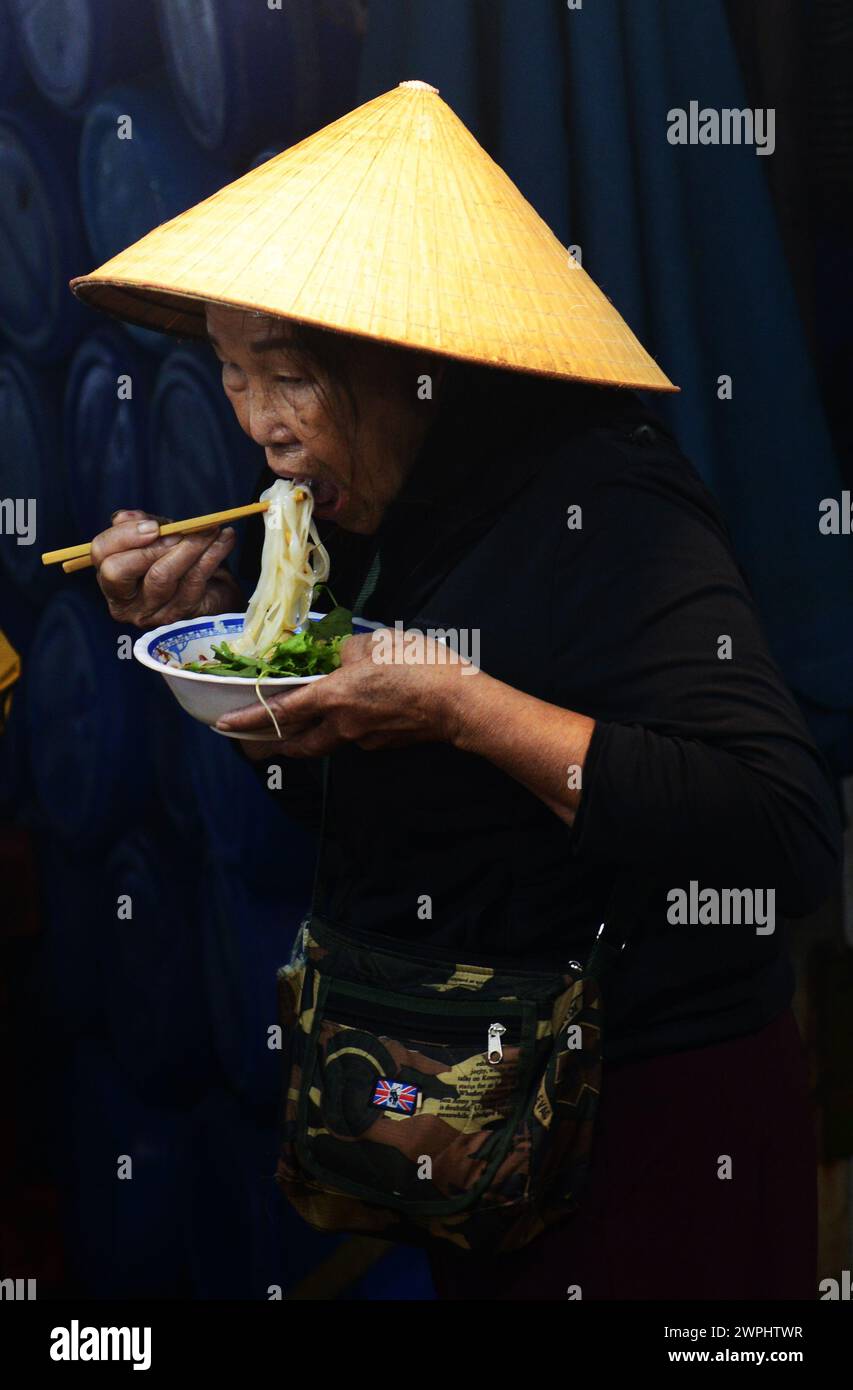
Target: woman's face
column 283, row 411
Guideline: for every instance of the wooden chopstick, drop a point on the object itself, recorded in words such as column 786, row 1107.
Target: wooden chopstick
column 78, row 557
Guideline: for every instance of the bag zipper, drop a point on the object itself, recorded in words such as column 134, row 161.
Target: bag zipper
column 401, row 948
column 421, row 1028
column 494, row 1048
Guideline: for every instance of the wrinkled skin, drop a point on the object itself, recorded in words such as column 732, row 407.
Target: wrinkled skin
column 287, row 414
column 148, row 581
column 372, row 703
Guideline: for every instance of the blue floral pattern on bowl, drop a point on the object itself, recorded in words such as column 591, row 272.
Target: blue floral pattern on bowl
column 175, row 644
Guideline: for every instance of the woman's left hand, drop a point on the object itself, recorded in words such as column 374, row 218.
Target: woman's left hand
column 370, row 700
column 391, row 691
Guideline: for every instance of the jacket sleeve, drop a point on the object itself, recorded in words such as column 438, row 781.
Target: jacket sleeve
column 700, row 763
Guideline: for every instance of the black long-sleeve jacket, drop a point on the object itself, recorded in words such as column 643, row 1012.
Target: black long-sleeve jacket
column 700, row 768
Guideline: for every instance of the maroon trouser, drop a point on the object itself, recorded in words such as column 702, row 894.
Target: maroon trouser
column 658, row 1221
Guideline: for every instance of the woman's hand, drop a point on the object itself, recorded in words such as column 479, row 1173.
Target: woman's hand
column 148, row 581
column 373, row 702
column 438, row 698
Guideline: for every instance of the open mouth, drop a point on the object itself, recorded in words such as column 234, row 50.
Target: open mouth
column 326, row 494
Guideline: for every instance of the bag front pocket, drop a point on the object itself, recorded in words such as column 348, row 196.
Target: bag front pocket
column 409, row 1102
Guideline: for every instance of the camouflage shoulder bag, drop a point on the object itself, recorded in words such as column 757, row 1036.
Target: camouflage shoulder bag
column 430, row 1099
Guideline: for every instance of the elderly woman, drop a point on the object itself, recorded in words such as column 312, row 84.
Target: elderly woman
column 621, row 722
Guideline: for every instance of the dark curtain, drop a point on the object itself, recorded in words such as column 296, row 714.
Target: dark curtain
column 686, row 241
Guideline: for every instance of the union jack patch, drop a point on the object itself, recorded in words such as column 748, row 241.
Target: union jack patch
column 396, row 1096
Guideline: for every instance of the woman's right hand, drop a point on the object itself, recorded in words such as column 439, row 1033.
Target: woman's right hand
column 149, row 581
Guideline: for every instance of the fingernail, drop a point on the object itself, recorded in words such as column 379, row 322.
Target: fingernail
column 172, row 540
column 227, row 533
column 147, row 528
column 224, row 724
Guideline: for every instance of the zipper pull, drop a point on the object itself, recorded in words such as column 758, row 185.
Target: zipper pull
column 494, row 1047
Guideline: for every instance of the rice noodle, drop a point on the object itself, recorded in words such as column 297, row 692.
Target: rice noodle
column 293, row 562
column 269, row 710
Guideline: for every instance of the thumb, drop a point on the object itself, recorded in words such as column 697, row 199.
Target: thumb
column 300, row 702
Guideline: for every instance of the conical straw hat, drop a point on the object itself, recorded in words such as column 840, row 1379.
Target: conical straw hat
column 392, row 223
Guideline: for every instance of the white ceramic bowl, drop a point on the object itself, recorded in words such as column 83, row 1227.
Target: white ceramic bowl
column 208, row 698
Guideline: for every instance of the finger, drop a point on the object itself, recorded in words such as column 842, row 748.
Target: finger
column 372, row 741
column 125, row 535
column 194, row 582
column 170, row 567
column 297, row 731
column 120, row 574
column 257, row 751
column 136, row 514
column 262, row 722
column 295, row 709
column 255, row 719
column 315, row 743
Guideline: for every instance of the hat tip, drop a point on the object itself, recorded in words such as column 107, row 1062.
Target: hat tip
column 416, row 86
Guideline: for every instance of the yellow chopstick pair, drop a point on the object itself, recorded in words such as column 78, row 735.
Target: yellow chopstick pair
column 79, row 557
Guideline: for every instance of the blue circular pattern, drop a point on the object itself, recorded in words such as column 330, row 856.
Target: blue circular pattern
column 73, row 47
column 42, row 241
column 33, row 475
column 106, row 428
column 88, row 730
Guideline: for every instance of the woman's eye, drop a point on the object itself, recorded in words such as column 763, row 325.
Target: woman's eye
column 292, row 380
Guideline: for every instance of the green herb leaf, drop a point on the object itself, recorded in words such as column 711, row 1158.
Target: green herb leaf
column 313, row 652
column 338, row 623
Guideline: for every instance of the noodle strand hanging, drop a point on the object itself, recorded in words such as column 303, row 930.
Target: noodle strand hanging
column 293, row 562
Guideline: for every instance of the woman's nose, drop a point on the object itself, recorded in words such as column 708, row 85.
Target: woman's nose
column 267, row 422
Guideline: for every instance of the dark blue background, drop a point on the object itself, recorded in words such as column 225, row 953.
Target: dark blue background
column 143, row 1037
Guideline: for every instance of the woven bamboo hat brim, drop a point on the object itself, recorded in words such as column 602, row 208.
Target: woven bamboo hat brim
column 391, row 223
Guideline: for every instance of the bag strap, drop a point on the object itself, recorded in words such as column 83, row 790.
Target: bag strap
column 619, row 921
